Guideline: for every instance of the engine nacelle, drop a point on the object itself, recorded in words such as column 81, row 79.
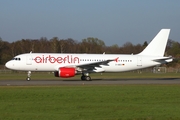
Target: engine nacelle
column 65, row 72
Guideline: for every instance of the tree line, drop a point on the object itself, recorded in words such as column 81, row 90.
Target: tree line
column 89, row 45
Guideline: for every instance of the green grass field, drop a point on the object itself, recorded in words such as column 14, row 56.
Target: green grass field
column 114, row 102
column 88, row 102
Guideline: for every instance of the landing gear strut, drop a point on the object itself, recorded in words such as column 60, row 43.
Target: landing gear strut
column 85, row 76
column 28, row 76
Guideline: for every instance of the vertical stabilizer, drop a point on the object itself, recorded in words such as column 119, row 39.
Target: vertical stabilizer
column 158, row 45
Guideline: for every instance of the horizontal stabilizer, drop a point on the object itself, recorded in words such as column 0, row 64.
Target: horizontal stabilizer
column 164, row 59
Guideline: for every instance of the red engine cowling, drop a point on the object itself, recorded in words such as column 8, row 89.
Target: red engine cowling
column 65, row 72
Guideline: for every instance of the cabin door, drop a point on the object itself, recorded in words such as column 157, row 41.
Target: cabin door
column 29, row 60
column 139, row 61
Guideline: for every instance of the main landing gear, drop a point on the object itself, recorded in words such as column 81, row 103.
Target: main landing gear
column 28, row 76
column 85, row 76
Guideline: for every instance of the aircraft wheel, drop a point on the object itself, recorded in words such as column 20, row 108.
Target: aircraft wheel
column 88, row 78
column 82, row 77
column 28, row 78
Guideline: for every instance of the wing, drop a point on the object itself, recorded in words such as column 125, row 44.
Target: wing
column 89, row 67
column 95, row 66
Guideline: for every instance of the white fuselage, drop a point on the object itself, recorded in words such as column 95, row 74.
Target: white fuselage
column 53, row 61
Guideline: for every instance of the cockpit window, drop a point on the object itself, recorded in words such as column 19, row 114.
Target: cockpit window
column 17, row 59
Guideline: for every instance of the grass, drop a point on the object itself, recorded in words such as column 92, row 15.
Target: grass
column 114, row 102
column 88, row 102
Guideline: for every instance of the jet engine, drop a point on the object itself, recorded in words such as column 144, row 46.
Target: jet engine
column 65, row 72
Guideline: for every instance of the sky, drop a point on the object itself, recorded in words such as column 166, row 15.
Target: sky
column 113, row 21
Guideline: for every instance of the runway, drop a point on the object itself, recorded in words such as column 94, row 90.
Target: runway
column 94, row 82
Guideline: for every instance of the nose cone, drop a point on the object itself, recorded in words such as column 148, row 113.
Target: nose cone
column 9, row 65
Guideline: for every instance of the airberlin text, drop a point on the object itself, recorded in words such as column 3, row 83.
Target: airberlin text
column 52, row 59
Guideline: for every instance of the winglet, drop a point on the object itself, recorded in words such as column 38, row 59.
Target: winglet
column 116, row 59
column 157, row 46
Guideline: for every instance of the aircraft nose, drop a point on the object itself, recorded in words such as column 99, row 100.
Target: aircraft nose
column 9, row 65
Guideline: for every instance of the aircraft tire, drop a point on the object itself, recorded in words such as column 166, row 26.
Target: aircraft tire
column 88, row 78
column 83, row 78
column 28, row 78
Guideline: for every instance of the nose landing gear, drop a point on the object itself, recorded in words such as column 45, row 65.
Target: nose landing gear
column 28, row 76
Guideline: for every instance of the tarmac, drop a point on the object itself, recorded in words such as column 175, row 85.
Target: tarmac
column 162, row 81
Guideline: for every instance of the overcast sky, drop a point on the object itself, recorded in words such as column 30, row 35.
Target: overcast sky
column 113, row 21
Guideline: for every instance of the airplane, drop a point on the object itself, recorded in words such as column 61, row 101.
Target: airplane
column 69, row 65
